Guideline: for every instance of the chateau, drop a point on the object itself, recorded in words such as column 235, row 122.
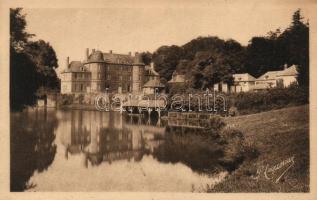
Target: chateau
column 115, row 73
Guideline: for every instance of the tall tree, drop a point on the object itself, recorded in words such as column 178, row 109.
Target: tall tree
column 23, row 74
column 296, row 45
column 32, row 64
column 18, row 36
column 146, row 57
column 44, row 56
column 166, row 59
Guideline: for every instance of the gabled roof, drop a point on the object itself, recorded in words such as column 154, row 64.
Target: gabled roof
column 291, row 71
column 243, row 77
column 270, row 75
column 76, row 66
column 177, row 77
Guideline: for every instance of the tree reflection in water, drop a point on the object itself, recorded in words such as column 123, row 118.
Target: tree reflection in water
column 32, row 148
column 204, row 149
column 196, row 148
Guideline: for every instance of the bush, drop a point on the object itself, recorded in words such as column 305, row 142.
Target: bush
column 233, row 111
column 233, row 148
column 65, row 99
column 253, row 102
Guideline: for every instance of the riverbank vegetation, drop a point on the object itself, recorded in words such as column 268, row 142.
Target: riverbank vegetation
column 213, row 149
column 278, row 136
column 32, row 65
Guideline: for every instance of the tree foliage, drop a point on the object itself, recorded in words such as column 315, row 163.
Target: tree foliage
column 207, row 60
column 44, row 57
column 32, row 64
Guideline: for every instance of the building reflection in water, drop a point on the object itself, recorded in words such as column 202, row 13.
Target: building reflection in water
column 109, row 136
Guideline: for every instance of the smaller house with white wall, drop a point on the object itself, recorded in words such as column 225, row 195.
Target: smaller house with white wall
column 271, row 79
column 242, row 83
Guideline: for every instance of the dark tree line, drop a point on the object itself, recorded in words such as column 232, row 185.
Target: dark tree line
column 206, row 60
column 32, row 64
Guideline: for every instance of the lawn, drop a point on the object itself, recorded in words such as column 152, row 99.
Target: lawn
column 279, row 135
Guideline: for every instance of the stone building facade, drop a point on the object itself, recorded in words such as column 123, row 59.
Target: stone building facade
column 100, row 72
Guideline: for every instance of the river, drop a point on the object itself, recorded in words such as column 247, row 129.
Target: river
column 76, row 150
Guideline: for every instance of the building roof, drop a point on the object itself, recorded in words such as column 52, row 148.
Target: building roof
column 291, row 71
column 151, row 71
column 272, row 75
column 243, row 77
column 114, row 58
column 118, row 58
column 153, row 83
column 177, row 78
column 96, row 56
column 76, row 66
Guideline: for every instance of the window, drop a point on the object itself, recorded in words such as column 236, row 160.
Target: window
column 75, row 75
column 81, row 87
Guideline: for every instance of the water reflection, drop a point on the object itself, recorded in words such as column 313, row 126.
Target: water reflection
column 32, row 147
column 107, row 137
column 112, row 152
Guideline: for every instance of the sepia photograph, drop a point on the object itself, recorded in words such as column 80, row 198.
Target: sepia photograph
column 157, row 97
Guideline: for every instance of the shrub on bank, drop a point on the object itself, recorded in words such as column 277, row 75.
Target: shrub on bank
column 65, row 99
column 235, row 150
column 253, row 102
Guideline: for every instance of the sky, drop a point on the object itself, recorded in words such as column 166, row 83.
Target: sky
column 146, row 27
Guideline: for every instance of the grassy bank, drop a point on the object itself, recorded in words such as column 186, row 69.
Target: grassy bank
column 277, row 135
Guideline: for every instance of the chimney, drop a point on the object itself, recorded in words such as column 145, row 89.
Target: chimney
column 87, row 53
column 110, row 51
column 285, row 66
column 93, row 51
column 129, row 53
column 67, row 62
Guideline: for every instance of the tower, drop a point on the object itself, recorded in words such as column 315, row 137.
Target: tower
column 96, row 65
column 137, row 74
